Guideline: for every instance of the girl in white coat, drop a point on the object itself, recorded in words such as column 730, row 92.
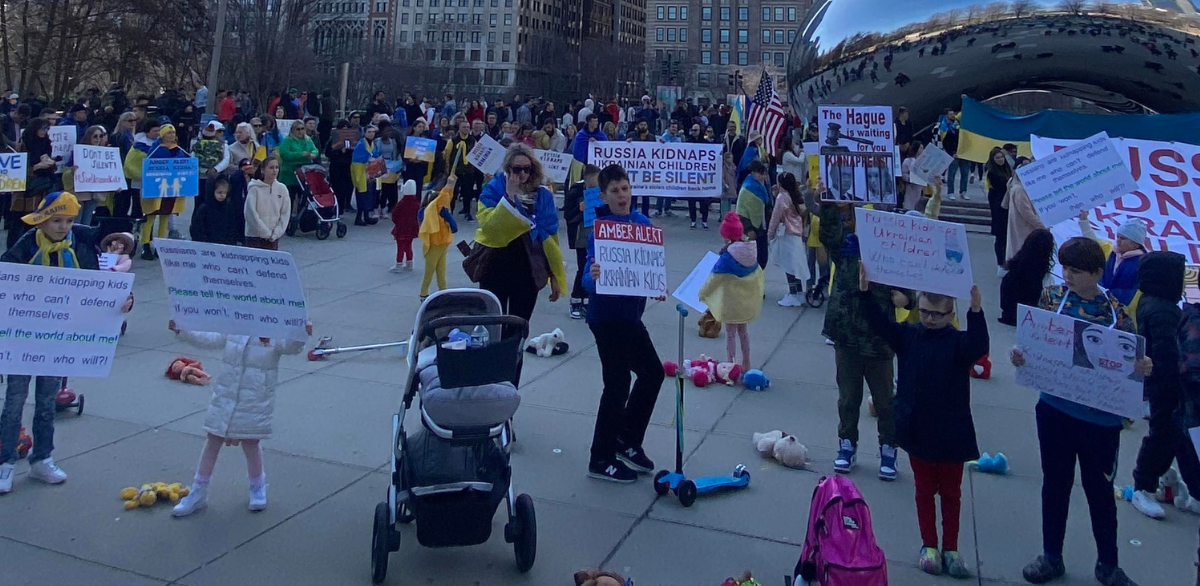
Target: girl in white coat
column 242, row 406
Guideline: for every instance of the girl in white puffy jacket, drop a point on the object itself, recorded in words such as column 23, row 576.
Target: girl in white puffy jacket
column 242, row 406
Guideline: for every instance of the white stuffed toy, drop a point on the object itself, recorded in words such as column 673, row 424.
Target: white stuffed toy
column 785, row 449
column 765, row 442
column 1172, row 484
column 543, row 345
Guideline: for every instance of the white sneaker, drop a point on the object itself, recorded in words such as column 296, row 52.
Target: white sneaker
column 1144, row 502
column 966, row 197
column 47, row 472
column 6, row 478
column 1001, row 271
column 408, row 265
column 828, row 342
column 788, row 300
column 1183, row 503
column 196, row 500
column 396, row 268
column 258, row 498
column 951, row 197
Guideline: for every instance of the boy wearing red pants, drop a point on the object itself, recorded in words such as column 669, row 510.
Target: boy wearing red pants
column 933, row 411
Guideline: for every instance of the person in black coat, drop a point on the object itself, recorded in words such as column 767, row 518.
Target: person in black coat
column 218, row 220
column 1027, row 269
column 933, row 409
column 340, row 153
column 573, row 215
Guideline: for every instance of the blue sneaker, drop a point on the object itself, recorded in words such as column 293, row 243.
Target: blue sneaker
column 887, row 463
column 847, row 455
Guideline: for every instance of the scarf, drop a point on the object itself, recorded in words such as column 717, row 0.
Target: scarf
column 55, row 254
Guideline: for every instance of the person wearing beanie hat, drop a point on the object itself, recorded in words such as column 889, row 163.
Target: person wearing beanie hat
column 56, row 241
column 1124, row 255
column 734, row 289
column 405, row 225
column 156, row 205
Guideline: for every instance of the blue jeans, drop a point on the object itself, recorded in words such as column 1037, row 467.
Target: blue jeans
column 963, row 168
column 43, row 416
column 664, row 204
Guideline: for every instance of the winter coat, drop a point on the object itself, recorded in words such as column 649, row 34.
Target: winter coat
column 1160, row 279
column 404, row 216
column 573, row 216
column 87, row 247
column 933, row 384
column 734, row 289
column 292, row 153
column 1021, row 285
column 243, row 399
column 268, row 209
column 218, row 222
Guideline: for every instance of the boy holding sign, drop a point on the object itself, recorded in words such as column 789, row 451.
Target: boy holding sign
column 624, row 347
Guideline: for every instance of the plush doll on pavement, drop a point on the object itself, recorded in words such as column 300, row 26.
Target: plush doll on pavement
column 734, row 289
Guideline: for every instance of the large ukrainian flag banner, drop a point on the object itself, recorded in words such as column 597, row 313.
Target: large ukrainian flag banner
column 983, row 127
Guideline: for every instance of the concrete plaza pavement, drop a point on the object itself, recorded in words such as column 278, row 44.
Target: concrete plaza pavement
column 327, row 461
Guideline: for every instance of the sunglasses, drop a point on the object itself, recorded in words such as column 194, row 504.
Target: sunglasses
column 256, row 125
column 518, row 169
column 931, row 314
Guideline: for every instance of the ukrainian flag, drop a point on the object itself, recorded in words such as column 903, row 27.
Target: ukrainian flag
column 737, row 117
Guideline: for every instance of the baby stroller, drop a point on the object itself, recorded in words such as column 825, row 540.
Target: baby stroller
column 320, row 208
column 451, row 475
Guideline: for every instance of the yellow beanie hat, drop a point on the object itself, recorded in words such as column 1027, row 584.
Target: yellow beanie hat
column 59, row 203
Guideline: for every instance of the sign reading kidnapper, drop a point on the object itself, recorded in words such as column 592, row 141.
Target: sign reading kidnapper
column 233, row 290
column 631, row 258
column 664, row 170
column 60, row 322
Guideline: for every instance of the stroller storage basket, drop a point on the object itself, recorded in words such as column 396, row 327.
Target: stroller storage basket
column 495, row 362
column 455, row 489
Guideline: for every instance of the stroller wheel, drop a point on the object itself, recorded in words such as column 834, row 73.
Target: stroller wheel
column 341, row 230
column 405, row 515
column 815, row 297
column 525, row 544
column 323, row 232
column 380, row 544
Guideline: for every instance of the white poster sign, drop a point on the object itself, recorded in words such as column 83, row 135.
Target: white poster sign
column 285, row 126
column 14, row 168
column 487, row 155
column 62, row 141
column 914, row 252
column 99, row 169
column 631, row 258
column 689, row 290
column 664, row 170
column 932, row 162
column 1080, row 361
column 233, row 290
column 60, row 322
column 556, row 165
column 858, row 153
column 1082, row 176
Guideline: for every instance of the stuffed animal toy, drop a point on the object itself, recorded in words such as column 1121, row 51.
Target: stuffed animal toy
column 756, row 380
column 784, row 448
column 989, row 464
column 709, row 326
column 765, row 442
column 149, row 494
column 701, row 371
column 983, row 369
column 187, row 370
column 548, row 344
column 729, row 373
column 746, row 580
column 1171, row 489
column 599, row 578
column 24, row 443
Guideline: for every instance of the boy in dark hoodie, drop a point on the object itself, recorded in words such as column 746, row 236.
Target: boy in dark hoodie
column 217, row 219
column 1160, row 279
column 624, row 347
column 576, row 214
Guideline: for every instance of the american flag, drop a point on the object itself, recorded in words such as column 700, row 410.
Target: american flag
column 766, row 114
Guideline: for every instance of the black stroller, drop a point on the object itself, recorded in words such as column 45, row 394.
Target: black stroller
column 451, row 475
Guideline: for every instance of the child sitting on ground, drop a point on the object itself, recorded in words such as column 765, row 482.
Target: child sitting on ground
column 734, row 289
column 437, row 232
column 939, row 436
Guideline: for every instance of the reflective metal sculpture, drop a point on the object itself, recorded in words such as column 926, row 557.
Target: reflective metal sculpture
column 1121, row 55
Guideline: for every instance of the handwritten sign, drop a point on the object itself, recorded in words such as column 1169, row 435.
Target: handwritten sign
column 689, row 290
column 1084, row 175
column 285, row 126
column 99, row 169
column 13, row 169
column 420, row 149
column 1080, row 361
column 177, row 177
column 233, row 290
column 932, row 162
column 556, row 165
column 60, row 322
column 915, row 253
column 62, row 140
column 632, row 259
column 858, row 153
column 487, row 155
column 664, row 170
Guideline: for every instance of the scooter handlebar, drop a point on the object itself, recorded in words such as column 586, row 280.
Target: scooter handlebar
column 683, row 311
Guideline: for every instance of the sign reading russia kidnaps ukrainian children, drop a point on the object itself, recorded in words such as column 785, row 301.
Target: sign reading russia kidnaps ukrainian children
column 664, row 170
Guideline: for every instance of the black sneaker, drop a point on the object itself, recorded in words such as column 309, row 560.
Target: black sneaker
column 1112, row 576
column 636, row 459
column 1042, row 570
column 612, row 471
column 576, row 309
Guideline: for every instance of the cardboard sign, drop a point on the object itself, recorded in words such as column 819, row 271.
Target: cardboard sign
column 420, row 149
column 177, row 177
column 1080, row 361
column 664, row 170
column 487, row 155
column 347, row 136
column 932, row 162
column 285, row 126
column 689, row 290
column 62, row 141
column 858, row 158
column 915, row 253
column 13, row 169
column 99, row 169
column 556, row 165
column 60, row 322
column 1084, row 175
column 631, row 258
column 233, row 290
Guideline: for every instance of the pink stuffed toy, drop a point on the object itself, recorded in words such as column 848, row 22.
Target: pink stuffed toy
column 728, row 373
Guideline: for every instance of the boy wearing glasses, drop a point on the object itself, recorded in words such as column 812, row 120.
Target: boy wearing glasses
column 933, row 410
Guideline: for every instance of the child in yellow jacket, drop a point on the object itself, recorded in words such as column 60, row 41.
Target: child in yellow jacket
column 734, row 289
column 436, row 233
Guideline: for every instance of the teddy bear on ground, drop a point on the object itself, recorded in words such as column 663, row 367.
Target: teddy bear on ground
column 1171, row 489
column 729, row 373
column 188, row 370
column 784, row 448
column 598, row 578
column 149, row 494
column 548, row 344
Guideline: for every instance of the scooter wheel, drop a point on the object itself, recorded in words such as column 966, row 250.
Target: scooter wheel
column 686, row 492
column 79, row 410
column 380, row 544
column 661, row 488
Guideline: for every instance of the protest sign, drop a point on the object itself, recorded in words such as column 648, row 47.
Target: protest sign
column 664, row 170
column 60, row 322
column 556, row 165
column 931, row 163
column 689, row 290
column 1191, row 284
column 108, row 260
column 1082, row 176
column 347, row 136
column 99, row 169
column 420, row 149
column 178, row 177
column 631, row 258
column 62, row 140
column 285, row 126
column 914, row 252
column 1167, row 175
column 13, row 169
column 233, row 290
column 487, row 155
column 858, row 159
column 1080, row 361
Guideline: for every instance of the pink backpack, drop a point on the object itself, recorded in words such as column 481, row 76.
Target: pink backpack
column 840, row 548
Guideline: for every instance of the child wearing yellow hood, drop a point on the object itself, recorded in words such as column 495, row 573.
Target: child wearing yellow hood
column 436, row 233
column 734, row 289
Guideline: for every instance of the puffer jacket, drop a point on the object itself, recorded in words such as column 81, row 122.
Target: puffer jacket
column 1160, row 279
column 243, row 399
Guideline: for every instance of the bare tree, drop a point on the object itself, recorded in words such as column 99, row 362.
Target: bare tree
column 1021, row 7
column 1075, row 7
